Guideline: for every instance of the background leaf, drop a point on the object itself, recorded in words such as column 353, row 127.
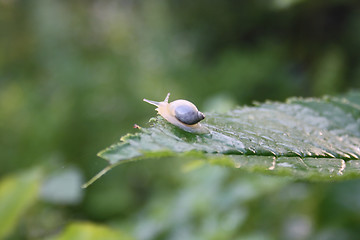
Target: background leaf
column 90, row 231
column 307, row 138
column 17, row 193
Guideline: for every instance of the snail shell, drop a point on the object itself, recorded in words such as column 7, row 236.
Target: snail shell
column 181, row 113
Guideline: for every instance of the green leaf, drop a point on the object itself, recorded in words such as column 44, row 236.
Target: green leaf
column 305, row 138
column 90, row 231
column 17, row 193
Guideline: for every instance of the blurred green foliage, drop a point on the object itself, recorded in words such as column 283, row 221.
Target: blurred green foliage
column 17, row 193
column 89, row 231
column 73, row 74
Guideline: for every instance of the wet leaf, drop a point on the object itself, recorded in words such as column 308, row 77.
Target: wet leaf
column 316, row 139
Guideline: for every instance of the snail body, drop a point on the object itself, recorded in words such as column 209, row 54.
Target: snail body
column 180, row 113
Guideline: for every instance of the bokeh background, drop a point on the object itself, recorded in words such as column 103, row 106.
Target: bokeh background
column 72, row 78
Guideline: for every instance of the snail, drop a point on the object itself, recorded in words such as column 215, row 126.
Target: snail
column 181, row 113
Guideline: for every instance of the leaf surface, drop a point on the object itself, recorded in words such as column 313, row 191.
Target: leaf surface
column 305, row 138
